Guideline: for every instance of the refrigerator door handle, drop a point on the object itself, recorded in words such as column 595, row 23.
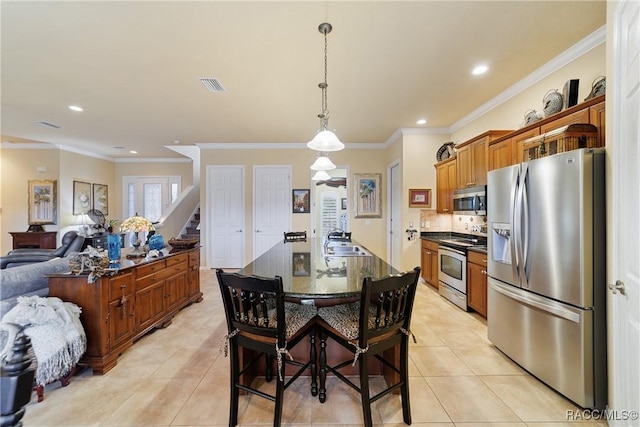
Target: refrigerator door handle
column 556, row 311
column 514, row 231
column 521, row 225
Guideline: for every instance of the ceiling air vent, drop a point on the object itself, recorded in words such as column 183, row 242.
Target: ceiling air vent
column 51, row 125
column 212, row 84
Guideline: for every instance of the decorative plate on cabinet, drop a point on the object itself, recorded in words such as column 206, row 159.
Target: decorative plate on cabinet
column 445, row 151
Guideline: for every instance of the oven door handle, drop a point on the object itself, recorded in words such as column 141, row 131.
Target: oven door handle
column 448, row 249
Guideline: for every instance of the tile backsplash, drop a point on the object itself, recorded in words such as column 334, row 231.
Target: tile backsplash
column 430, row 220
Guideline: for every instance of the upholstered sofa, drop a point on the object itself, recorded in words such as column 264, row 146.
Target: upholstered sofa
column 28, row 280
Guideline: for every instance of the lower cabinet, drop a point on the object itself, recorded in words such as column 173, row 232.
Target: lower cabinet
column 477, row 282
column 429, row 262
column 119, row 309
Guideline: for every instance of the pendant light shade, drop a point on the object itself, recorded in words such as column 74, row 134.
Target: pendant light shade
column 323, row 163
column 325, row 140
column 321, row 176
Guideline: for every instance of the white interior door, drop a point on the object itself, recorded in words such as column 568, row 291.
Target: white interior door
column 271, row 206
column 624, row 354
column 224, row 228
column 394, row 249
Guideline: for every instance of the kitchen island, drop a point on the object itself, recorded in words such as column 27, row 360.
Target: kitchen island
column 314, row 274
column 311, row 272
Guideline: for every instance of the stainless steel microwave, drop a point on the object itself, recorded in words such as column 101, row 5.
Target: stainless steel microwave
column 470, row 201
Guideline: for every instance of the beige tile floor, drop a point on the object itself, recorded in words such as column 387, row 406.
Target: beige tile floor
column 176, row 377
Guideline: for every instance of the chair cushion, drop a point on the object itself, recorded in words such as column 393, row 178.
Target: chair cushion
column 296, row 317
column 345, row 318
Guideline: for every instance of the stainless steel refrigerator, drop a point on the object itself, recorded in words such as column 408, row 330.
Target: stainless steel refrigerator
column 546, row 265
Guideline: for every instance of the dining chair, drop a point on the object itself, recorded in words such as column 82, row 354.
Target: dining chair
column 295, row 236
column 259, row 319
column 372, row 327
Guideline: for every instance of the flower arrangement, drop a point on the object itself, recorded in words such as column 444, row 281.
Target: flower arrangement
column 137, row 224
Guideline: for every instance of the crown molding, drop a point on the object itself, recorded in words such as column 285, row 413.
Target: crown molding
column 590, row 42
column 27, row 146
column 153, row 160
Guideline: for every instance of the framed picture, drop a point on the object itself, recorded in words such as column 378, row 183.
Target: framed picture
column 43, row 208
column 343, row 205
column 419, row 197
column 81, row 197
column 101, row 198
column 301, row 201
column 301, row 264
column 368, row 195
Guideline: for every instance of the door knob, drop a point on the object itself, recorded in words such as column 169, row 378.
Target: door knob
column 238, row 231
column 618, row 287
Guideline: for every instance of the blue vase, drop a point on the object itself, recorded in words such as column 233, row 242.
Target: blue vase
column 156, row 242
column 113, row 247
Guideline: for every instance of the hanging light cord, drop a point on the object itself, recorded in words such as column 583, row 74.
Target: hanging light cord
column 325, row 29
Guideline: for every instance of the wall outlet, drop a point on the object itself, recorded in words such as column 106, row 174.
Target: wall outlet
column 427, row 224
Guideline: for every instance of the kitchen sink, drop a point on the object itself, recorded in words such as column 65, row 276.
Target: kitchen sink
column 345, row 249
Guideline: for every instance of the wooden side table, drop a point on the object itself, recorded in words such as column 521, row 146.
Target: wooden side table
column 34, row 239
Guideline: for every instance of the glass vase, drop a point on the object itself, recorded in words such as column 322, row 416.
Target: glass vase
column 113, row 247
column 156, row 242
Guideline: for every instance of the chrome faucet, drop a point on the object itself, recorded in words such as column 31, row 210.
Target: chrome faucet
column 327, row 240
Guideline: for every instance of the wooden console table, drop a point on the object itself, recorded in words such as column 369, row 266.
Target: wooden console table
column 34, row 239
column 120, row 308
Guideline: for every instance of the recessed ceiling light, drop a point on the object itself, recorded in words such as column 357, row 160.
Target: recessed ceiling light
column 133, row 152
column 75, row 108
column 421, row 121
column 176, row 141
column 480, row 69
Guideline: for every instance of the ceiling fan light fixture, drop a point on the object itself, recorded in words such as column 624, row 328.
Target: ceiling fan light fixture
column 321, row 176
column 323, row 163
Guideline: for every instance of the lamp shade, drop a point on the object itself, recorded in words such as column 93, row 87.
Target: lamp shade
column 323, row 163
column 136, row 224
column 321, row 176
column 325, row 140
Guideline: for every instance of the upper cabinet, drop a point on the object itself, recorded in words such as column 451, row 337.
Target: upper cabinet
column 473, row 158
column 508, row 150
column 445, row 184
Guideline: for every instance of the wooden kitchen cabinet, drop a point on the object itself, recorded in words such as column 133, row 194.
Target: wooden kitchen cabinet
column 517, row 143
column 477, row 282
column 473, row 158
column 581, row 116
column 597, row 118
column 429, row 262
column 119, row 309
column 446, row 181
column 591, row 112
column 500, row 155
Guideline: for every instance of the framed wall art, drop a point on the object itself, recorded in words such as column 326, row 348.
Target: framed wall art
column 301, row 264
column 368, row 195
column 419, row 197
column 101, row 198
column 81, row 197
column 43, row 208
column 301, row 201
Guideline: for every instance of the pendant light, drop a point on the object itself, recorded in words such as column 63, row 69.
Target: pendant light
column 321, row 176
column 322, row 163
column 325, row 140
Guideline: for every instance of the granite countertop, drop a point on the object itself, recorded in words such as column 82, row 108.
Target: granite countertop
column 437, row 236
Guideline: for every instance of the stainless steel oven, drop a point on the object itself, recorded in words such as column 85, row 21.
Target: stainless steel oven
column 452, row 275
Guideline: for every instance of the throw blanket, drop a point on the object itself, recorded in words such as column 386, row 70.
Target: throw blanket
column 57, row 336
